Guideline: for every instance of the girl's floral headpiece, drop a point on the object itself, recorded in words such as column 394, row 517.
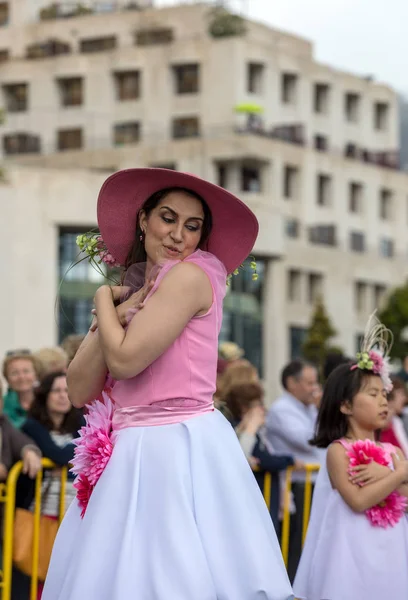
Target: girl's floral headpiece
column 92, row 244
column 374, row 351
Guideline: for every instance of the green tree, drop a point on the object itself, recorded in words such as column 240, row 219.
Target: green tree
column 395, row 317
column 316, row 345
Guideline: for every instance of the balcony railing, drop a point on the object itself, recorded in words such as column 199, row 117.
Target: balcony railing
column 67, row 10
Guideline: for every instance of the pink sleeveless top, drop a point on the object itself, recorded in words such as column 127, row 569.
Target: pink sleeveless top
column 180, row 384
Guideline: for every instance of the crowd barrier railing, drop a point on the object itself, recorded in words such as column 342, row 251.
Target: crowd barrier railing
column 307, row 501
column 8, row 498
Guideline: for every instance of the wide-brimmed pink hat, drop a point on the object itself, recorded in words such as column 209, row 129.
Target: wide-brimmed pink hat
column 234, row 229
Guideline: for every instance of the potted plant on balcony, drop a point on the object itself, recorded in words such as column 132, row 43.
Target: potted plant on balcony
column 49, row 12
column 225, row 24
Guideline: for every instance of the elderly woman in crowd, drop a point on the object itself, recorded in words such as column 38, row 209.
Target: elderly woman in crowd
column 19, row 370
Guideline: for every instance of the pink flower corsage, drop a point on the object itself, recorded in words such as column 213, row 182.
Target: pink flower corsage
column 93, row 449
column 392, row 508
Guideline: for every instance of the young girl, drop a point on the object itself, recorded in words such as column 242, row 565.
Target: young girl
column 357, row 542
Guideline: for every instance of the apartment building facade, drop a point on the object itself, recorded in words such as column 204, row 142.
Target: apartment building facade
column 88, row 89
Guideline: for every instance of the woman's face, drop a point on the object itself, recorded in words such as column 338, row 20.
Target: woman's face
column 58, row 401
column 21, row 375
column 173, row 229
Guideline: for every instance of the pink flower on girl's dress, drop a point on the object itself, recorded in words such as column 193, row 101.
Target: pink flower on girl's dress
column 392, row 508
column 93, row 449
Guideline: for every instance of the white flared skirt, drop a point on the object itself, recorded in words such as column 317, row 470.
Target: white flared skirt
column 176, row 515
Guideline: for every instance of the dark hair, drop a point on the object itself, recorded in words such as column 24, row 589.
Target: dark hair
column 137, row 253
column 39, row 411
column 397, row 384
column 293, row 369
column 239, row 398
column 342, row 385
column 333, row 360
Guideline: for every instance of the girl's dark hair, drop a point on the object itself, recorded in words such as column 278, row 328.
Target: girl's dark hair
column 137, row 252
column 39, row 411
column 239, row 398
column 341, row 386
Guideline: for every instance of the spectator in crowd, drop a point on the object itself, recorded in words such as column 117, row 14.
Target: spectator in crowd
column 50, row 360
column 394, row 432
column 71, row 345
column 19, row 370
column 15, row 446
column 290, row 425
column 403, row 373
column 333, row 360
column 240, row 371
column 228, row 354
column 245, row 404
column 53, row 423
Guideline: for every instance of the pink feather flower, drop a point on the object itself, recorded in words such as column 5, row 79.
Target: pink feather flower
column 388, row 512
column 94, row 448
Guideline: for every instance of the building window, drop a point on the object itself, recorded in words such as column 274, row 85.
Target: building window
column 126, row 133
column 222, row 175
column 360, row 296
column 386, row 204
column 324, row 235
column 321, row 98
column 292, row 228
column 21, row 143
column 355, row 197
column 16, row 97
column 186, row 127
column 78, row 286
column 289, row 83
column 255, row 76
column 294, row 285
column 153, row 37
column 187, row 78
column 379, row 295
column 251, row 179
column 381, row 113
column 243, row 312
column 290, row 182
column 127, row 85
column 357, row 241
column 386, row 248
column 71, row 91
column 297, row 336
column 4, row 55
column 314, row 287
column 69, row 139
column 323, row 190
column 51, row 47
column 4, row 13
column 321, row 143
column 97, row 44
column 352, row 107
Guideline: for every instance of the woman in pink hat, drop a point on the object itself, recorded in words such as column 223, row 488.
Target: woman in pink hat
column 167, row 506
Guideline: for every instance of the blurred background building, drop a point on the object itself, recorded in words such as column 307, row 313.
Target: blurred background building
column 89, row 88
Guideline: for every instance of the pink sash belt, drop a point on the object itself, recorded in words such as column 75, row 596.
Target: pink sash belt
column 157, row 414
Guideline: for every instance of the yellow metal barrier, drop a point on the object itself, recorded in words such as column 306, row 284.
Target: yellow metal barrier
column 286, row 508
column 8, row 497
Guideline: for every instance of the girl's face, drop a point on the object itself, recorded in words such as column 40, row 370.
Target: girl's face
column 58, row 402
column 173, row 229
column 397, row 402
column 369, row 408
column 21, row 375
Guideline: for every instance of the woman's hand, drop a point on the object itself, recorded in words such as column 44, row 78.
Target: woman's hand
column 135, row 301
column 253, row 419
column 3, row 472
column 31, row 463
